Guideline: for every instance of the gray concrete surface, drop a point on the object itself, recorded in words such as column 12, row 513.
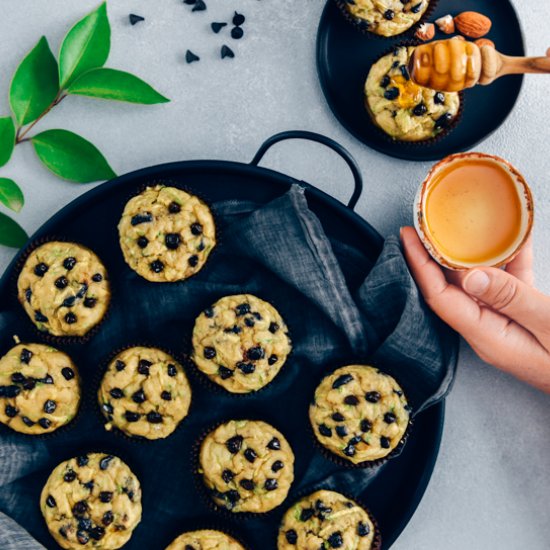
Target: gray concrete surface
column 491, row 485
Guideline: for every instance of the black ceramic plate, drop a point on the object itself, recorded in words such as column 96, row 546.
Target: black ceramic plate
column 171, row 503
column 345, row 55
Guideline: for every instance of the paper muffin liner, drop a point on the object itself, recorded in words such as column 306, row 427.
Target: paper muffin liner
column 65, row 428
column 412, row 145
column 376, row 541
column 363, row 27
column 99, row 374
column 367, row 464
column 206, row 268
column 206, row 382
column 44, row 336
column 204, row 491
column 190, row 525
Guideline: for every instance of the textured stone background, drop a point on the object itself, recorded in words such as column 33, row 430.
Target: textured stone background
column 491, row 484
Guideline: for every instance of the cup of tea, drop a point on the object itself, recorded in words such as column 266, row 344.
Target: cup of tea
column 472, row 210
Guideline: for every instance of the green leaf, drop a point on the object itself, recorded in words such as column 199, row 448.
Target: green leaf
column 11, row 195
column 118, row 85
column 11, row 233
column 86, row 46
column 7, row 139
column 35, row 84
column 71, row 157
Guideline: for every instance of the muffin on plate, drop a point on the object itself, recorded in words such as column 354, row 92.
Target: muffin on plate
column 246, row 466
column 64, row 289
column 166, row 234
column 205, row 539
column 402, row 109
column 144, row 393
column 240, row 343
column 359, row 414
column 39, row 389
column 93, row 501
column 326, row 519
column 384, row 17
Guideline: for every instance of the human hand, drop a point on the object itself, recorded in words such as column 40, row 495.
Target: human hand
column 499, row 313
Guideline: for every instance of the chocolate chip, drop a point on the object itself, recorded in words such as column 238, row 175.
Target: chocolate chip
column 107, row 407
column 306, row 514
column 351, row 400
column 372, row 397
column 398, row 392
column 70, row 475
column 391, row 93
column 61, row 282
column 46, row 380
column 120, row 365
column 9, row 391
column 63, row 532
column 217, row 27
column 156, row 267
column 172, row 241
column 190, row 57
column 342, row 431
column 82, row 291
column 154, row 417
column 250, row 455
column 272, row 359
column 224, row 372
column 444, row 120
column 28, row 294
column 82, row 537
column 50, row 406
column 106, row 496
column 246, row 368
column 325, row 430
column 69, row 301
column 234, row 444
column 238, row 19
column 416, row 8
column 135, row 18
column 237, row 33
column 40, row 317
column 26, row 356
column 439, row 98
column 69, row 263
column 363, row 529
column 350, row 450
column 273, row 327
column 116, row 393
column 80, row 508
column 232, row 496
column 138, row 396
column 388, row 15
column 249, row 322
column 384, row 442
column 234, row 329
column 50, row 502
column 26, row 420
column 227, row 476
column 199, row 6
column 277, row 465
column 226, row 51
column 90, row 302
column 256, row 353
column 355, row 440
column 365, row 425
column 335, row 540
column 67, row 373
column 193, row 261
column 97, row 533
column 291, row 536
column 342, row 380
column 107, row 518
column 97, row 277
column 29, row 384
column 166, row 395
column 70, row 318
column 141, row 218
column 247, row 484
column 174, row 208
column 143, row 367
column 10, row 411
column 405, row 72
column 274, row 444
column 385, row 82
column 132, row 416
column 389, row 418
column 85, row 524
column 270, row 484
column 420, row 109
column 172, row 370
column 17, row 378
column 142, row 242
column 242, row 309
column 105, row 461
column 337, row 417
column 209, row 312
column 40, row 269
column 82, row 460
column 209, row 353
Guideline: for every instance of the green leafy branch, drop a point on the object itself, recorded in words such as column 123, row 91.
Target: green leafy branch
column 39, row 84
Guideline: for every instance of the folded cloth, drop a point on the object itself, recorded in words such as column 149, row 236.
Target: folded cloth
column 340, row 305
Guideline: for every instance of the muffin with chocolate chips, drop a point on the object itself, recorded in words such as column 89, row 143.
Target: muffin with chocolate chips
column 326, row 519
column 246, row 466
column 166, row 234
column 91, row 501
column 205, row 539
column 402, row 109
column 359, row 413
column 144, row 393
column 39, row 389
column 385, row 18
column 63, row 288
column 240, row 343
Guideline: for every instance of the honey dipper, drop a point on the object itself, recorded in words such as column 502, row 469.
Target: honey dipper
column 455, row 64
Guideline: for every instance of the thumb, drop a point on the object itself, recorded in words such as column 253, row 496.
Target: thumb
column 505, row 294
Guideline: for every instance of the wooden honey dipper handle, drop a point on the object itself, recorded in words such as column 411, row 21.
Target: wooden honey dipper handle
column 504, row 64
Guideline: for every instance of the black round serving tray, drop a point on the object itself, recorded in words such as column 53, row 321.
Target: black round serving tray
column 164, row 467
column 345, row 55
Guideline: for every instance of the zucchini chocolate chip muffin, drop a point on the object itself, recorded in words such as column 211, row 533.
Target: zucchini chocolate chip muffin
column 205, row 539
column 359, row 413
column 144, row 393
column 91, row 501
column 63, row 287
column 401, row 108
column 241, row 343
column 385, row 17
column 166, row 234
column 327, row 519
column 246, row 466
column 39, row 389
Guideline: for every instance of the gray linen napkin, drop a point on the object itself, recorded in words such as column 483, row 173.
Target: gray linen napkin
column 339, row 307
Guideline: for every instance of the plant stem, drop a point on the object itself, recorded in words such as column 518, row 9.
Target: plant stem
column 20, row 135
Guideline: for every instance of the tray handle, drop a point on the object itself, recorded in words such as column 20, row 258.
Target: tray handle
column 324, row 140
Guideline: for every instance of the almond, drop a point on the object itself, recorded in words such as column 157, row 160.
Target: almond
column 425, row 32
column 484, row 42
column 446, row 24
column 473, row 24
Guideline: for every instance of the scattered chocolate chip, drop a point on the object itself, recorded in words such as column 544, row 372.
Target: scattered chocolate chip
column 138, row 396
column 107, row 518
column 416, row 8
column 274, row 444
column 44, row 423
column 156, row 267
column 138, row 219
column 234, row 444
column 227, row 476
column 389, row 418
column 342, row 431
column 26, row 420
column 350, row 450
column 40, row 317
column 277, row 465
column 85, row 524
column 166, row 396
column 69, row 263
column 273, row 327
column 70, row 318
column 26, row 355
column 154, row 417
column 172, row 370
column 306, row 514
column 17, row 378
column 217, row 27
column 270, row 484
column 193, row 261
column 70, row 476
column 97, row 277
column 9, row 391
column 232, row 496
column 256, row 353
column 209, row 353
column 355, row 440
column 106, row 496
column 190, row 57
column 249, row 322
column 420, row 109
column 363, row 529
column 40, row 269
column 135, row 18
column 80, row 508
column 444, row 120
column 291, row 536
column 82, row 537
column 365, row 425
column 131, row 416
column 391, row 93
column 237, row 33
column 325, row 430
column 120, row 365
column 172, row 241
column 389, row 15
column 398, row 392
column 143, row 367
column 90, row 302
column 385, row 82
column 384, row 442
column 439, row 98
column 82, row 291
column 272, row 359
column 224, row 372
column 107, row 407
column 246, row 368
column 405, row 72
column 105, row 461
column 238, row 19
column 337, row 417
column 174, row 208
column 209, row 312
column 250, row 455
column 82, row 460
column 50, row 406
column 351, row 400
column 116, row 393
column 69, row 302
column 61, row 282
column 67, row 373
column 29, row 384
column 342, row 380
column 335, row 540
column 372, row 397
column 28, row 294
column 46, row 380
column 97, row 533
column 142, row 242
column 242, row 309
column 10, row 411
column 247, row 484
column 50, row 502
